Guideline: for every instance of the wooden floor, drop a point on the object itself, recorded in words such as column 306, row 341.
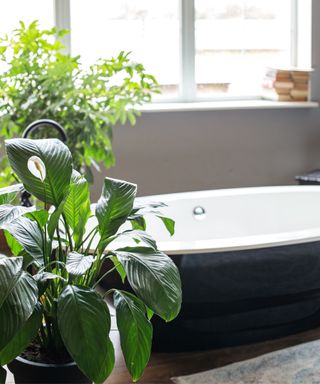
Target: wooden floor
column 163, row 366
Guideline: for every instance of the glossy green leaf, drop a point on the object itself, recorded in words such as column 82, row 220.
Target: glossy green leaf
column 41, row 217
column 53, row 221
column 155, row 279
column 29, row 236
column 78, row 264
column 10, row 270
column 23, row 337
column 150, row 313
column 13, row 244
column 9, row 213
column 147, row 206
column 169, row 224
column 140, row 209
column 138, row 222
column 119, row 267
column 113, row 207
column 135, row 332
column 58, row 163
column 8, row 194
column 42, row 277
column 139, row 237
column 18, row 297
column 77, row 206
column 84, row 324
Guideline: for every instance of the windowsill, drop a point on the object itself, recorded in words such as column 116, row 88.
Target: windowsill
column 225, row 105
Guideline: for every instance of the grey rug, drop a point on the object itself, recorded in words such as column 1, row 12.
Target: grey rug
column 295, row 365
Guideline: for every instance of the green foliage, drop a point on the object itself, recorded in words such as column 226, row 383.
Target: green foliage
column 84, row 322
column 113, row 207
column 40, row 81
column 153, row 278
column 47, row 289
column 18, row 298
column 135, row 332
column 56, row 184
column 23, row 337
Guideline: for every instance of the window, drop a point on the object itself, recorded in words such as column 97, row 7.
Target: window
column 197, row 49
column 14, row 11
column 236, row 39
column 149, row 29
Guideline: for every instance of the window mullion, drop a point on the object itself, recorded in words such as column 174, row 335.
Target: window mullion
column 294, row 32
column 62, row 20
column 187, row 20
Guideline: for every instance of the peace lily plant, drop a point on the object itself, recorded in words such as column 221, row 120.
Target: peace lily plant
column 48, row 295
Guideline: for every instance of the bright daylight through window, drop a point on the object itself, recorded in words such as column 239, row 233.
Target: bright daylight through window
column 235, row 40
column 197, row 49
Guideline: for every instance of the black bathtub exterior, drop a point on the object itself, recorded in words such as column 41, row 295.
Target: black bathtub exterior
column 240, row 297
column 232, row 298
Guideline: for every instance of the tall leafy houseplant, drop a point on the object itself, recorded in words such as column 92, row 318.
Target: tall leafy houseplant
column 47, row 289
column 39, row 81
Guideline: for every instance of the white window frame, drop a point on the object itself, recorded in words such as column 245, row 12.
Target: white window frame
column 300, row 37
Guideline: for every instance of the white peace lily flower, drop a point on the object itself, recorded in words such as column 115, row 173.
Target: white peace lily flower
column 37, row 167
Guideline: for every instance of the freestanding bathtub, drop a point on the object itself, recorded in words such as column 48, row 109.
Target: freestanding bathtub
column 249, row 260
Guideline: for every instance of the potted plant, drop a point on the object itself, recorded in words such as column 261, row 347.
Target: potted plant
column 38, row 80
column 50, row 310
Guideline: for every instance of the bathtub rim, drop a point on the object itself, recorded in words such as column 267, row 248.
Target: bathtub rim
column 237, row 243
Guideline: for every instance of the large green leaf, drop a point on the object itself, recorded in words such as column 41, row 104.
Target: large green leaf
column 135, row 332
column 23, row 337
column 9, row 213
column 155, row 279
column 77, row 206
column 9, row 273
column 139, row 236
column 19, row 294
column 78, row 264
column 8, row 194
column 113, row 207
column 58, row 163
column 28, row 234
column 84, row 323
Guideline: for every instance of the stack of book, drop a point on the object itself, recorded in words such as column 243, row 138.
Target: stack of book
column 289, row 84
column 301, row 81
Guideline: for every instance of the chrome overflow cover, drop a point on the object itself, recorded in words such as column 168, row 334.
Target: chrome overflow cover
column 199, row 213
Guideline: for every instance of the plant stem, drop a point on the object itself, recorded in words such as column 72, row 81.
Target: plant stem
column 60, row 246
column 108, row 292
column 43, row 336
column 68, row 232
column 89, row 245
column 95, row 229
column 104, row 275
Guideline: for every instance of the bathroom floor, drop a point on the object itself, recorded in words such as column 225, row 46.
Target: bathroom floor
column 162, row 366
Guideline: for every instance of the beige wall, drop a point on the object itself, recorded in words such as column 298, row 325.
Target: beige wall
column 182, row 151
